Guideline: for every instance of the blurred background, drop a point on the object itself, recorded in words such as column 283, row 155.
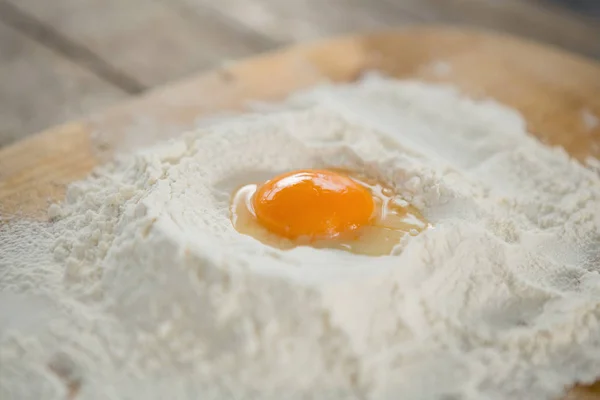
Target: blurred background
column 60, row 59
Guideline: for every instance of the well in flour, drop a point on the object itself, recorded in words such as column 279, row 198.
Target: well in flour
column 325, row 209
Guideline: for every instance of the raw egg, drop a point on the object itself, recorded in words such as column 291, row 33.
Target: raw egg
column 325, row 208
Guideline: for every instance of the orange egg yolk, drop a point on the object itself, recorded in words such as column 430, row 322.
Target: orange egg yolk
column 315, row 204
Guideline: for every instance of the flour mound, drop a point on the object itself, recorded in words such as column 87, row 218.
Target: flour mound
column 153, row 293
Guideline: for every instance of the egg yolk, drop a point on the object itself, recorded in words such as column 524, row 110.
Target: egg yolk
column 314, row 204
column 325, row 209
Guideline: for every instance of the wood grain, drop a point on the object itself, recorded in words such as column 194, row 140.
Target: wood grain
column 152, row 41
column 295, row 21
column 551, row 89
column 534, row 20
column 139, row 44
column 40, row 88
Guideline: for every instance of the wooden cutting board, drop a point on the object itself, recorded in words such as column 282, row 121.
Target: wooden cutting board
column 558, row 93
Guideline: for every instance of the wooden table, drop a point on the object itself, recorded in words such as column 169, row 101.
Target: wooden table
column 60, row 59
column 550, row 88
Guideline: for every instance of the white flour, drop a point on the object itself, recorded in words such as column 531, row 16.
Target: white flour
column 141, row 288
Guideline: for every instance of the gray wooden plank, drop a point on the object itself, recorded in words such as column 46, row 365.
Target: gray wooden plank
column 38, row 88
column 295, row 20
column 153, row 41
column 532, row 19
column 47, row 36
column 590, row 8
column 298, row 20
